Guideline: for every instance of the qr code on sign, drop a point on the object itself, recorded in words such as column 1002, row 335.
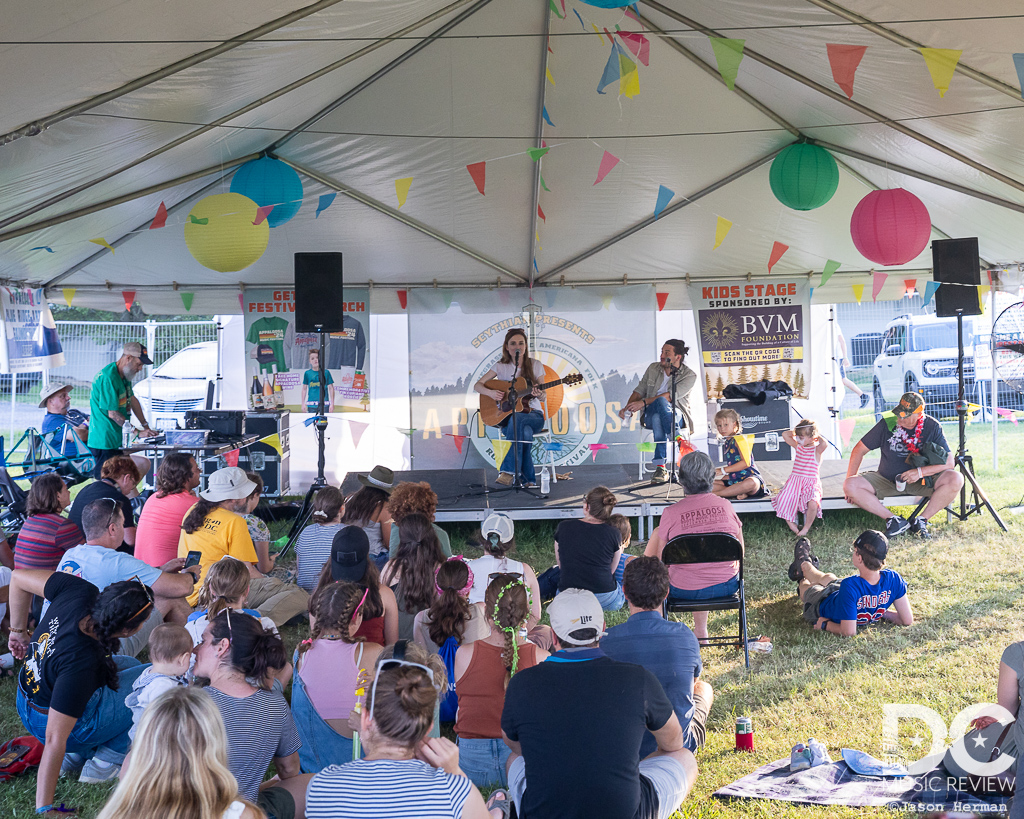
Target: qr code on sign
column 787, row 352
column 716, row 358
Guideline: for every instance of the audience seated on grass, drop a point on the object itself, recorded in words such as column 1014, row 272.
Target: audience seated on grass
column 840, row 606
column 698, row 512
column 667, row 649
column 482, row 673
column 409, row 498
column 160, row 520
column 327, row 667
column 449, row 623
column 71, row 689
column 588, row 550
column 313, row 545
column 240, row 658
column 368, row 509
column 214, row 527
column 410, row 571
column 575, row 724
column 47, row 534
column 350, row 561
column 913, row 449
column 499, row 542
column 120, row 480
column 258, row 529
column 98, row 561
column 405, row 772
column 179, row 765
column 170, row 655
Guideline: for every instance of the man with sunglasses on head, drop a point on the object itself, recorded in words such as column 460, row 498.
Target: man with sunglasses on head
column 98, row 561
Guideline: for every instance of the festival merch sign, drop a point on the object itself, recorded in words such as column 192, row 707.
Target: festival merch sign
column 606, row 337
column 753, row 331
column 281, row 369
column 29, row 341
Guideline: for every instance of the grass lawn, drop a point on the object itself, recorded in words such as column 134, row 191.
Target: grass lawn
column 964, row 586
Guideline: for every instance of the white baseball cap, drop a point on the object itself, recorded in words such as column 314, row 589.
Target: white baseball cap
column 499, row 523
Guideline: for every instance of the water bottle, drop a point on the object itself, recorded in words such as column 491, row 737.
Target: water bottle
column 126, row 432
column 545, row 481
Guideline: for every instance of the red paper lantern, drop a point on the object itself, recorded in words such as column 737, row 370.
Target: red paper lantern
column 890, row 227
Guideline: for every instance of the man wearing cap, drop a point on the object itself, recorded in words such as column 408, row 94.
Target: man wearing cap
column 112, row 402
column 56, row 400
column 913, row 451
column 575, row 724
column 215, row 528
column 840, row 606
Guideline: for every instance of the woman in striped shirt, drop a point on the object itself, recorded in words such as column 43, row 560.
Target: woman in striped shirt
column 47, row 534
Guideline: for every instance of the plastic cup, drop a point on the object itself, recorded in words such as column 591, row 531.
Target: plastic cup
column 900, row 485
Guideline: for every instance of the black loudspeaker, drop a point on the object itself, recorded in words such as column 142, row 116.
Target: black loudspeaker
column 319, row 301
column 956, row 266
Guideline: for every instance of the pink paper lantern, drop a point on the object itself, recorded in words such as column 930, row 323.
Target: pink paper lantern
column 890, row 227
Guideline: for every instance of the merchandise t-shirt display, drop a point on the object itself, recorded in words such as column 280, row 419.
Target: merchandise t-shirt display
column 54, row 421
column 697, row 515
column 222, row 533
column 892, row 445
column 63, row 668
column 110, row 392
column 859, row 600
column 311, row 378
column 156, row 539
column 269, row 335
column 585, row 552
column 575, row 700
column 347, row 348
column 93, row 492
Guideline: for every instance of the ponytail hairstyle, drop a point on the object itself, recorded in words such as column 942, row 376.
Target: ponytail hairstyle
column 806, row 428
column 326, row 505
column 226, row 580
column 333, row 608
column 601, row 501
column 197, row 514
column 120, row 607
column 363, row 506
column 373, row 607
column 254, row 652
column 507, row 604
column 417, row 556
column 450, row 612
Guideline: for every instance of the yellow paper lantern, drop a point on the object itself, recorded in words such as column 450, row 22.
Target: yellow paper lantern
column 220, row 233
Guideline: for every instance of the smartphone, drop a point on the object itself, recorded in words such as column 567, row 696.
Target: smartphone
column 192, row 559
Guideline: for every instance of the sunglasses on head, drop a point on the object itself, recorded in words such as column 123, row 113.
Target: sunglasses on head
column 145, row 588
column 397, row 661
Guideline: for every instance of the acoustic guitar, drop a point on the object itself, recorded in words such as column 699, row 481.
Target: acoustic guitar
column 494, row 412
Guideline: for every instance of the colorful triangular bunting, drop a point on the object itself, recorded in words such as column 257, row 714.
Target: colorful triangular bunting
column 941, row 64
column 929, row 291
column 722, row 228
column 323, row 203
column 1018, row 63
column 102, row 243
column 844, row 60
column 638, row 44
column 540, row 213
column 877, row 283
column 547, row 119
column 662, row 298
column 728, row 55
column 69, row 294
column 831, row 266
column 858, row 291
column 403, row 297
column 664, row 197
column 501, row 447
column 402, row 189
column 778, row 249
column 478, row 171
column 611, row 70
column 186, row 300
column 608, row 161
column 160, row 219
column 356, row 430
column 129, row 299
column 536, row 153
column 909, row 286
column 262, row 213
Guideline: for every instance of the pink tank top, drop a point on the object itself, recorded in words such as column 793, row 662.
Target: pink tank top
column 329, row 670
column 805, row 462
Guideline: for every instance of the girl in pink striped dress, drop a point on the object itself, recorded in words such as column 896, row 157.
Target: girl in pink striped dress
column 802, row 492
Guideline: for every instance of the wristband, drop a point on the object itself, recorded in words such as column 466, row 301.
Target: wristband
column 824, row 625
column 920, row 474
column 18, row 630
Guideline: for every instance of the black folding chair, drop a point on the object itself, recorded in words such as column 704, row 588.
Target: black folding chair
column 13, row 504
column 710, row 548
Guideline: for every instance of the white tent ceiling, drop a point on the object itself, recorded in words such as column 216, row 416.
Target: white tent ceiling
column 110, row 108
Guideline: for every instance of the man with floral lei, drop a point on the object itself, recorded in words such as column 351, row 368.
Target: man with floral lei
column 915, row 460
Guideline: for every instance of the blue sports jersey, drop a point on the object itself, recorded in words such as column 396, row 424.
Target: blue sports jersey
column 859, row 600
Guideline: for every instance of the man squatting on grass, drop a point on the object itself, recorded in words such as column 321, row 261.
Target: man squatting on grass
column 839, row 606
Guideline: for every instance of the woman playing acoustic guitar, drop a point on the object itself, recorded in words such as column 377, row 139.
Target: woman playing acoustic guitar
column 515, row 350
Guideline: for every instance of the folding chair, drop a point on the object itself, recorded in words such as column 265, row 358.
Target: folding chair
column 13, row 503
column 710, row 548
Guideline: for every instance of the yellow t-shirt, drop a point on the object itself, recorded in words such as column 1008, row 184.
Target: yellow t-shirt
column 222, row 533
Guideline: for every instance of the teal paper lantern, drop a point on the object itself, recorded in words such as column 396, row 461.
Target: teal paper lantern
column 804, row 177
column 270, row 182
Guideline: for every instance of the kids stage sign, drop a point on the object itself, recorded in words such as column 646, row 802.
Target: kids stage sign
column 753, row 332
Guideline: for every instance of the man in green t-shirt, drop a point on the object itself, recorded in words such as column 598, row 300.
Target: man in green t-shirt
column 112, row 401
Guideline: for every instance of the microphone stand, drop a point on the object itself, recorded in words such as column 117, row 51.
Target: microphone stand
column 672, row 477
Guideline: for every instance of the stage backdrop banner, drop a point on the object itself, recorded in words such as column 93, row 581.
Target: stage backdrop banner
column 29, row 342
column 278, row 361
column 753, row 331
column 605, row 334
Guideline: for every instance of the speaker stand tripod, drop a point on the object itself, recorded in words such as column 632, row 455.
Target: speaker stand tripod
column 320, row 425
column 979, row 501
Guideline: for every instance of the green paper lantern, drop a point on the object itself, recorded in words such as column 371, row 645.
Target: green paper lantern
column 804, row 177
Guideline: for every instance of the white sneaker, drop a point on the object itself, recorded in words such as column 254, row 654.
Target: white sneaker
column 71, row 764
column 96, row 771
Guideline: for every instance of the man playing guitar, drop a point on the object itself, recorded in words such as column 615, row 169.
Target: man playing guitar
column 516, row 363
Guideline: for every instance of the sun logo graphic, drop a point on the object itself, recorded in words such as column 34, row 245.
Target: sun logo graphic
column 720, row 330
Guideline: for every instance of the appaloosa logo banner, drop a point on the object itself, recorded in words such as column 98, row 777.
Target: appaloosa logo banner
column 753, row 331
column 605, row 335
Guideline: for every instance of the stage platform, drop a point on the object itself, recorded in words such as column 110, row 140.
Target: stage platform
column 472, row 494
